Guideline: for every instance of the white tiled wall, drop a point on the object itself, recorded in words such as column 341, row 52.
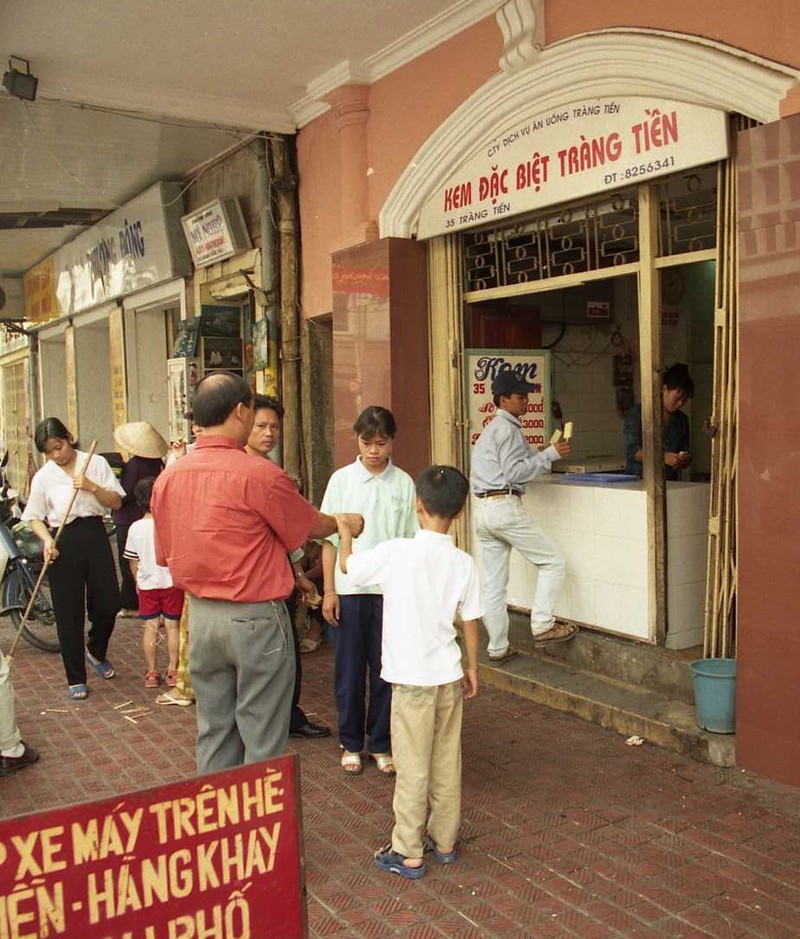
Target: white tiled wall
column 602, row 532
column 582, row 366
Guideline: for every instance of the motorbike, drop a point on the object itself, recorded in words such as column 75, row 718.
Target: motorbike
column 24, row 560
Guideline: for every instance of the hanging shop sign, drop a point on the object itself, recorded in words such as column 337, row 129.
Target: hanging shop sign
column 116, row 351
column 481, row 368
column 136, row 246
column 219, row 855
column 39, row 288
column 71, row 377
column 581, row 149
column 216, row 231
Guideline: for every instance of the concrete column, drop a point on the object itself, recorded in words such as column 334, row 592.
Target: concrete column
column 350, row 106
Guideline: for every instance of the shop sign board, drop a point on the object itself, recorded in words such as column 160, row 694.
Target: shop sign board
column 217, row 855
column 216, row 231
column 71, row 376
column 136, row 246
column 116, row 350
column 39, row 288
column 533, row 366
column 584, row 148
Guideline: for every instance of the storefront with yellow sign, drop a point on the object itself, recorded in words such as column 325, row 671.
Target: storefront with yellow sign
column 103, row 311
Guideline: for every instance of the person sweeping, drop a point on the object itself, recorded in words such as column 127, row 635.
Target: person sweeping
column 81, row 567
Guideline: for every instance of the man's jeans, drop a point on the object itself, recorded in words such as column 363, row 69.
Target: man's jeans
column 503, row 524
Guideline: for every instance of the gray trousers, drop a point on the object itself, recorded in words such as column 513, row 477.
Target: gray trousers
column 241, row 663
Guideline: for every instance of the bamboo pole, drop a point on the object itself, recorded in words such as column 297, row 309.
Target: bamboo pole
column 722, row 576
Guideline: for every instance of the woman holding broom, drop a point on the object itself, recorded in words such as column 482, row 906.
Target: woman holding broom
column 81, row 571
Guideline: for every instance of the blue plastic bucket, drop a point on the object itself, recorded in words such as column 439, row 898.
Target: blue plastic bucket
column 715, row 694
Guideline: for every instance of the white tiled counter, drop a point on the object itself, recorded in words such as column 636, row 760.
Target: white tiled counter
column 602, row 531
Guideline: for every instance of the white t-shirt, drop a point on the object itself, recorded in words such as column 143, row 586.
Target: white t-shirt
column 426, row 581
column 141, row 547
column 51, row 491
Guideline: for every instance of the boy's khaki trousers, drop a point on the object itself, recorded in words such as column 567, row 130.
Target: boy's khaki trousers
column 426, row 748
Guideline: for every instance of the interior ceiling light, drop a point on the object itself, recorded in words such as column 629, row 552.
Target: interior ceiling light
column 20, row 84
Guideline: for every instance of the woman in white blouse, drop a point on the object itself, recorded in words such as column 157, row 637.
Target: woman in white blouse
column 82, row 574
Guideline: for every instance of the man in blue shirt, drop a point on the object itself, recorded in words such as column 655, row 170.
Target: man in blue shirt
column 677, row 388
column 502, row 465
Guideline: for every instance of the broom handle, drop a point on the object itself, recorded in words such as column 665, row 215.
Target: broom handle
column 46, row 564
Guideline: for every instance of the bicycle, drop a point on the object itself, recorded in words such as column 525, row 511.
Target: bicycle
column 23, row 556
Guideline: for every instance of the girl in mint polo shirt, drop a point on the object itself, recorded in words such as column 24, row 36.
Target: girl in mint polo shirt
column 384, row 495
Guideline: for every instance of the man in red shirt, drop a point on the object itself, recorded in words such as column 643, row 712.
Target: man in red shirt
column 224, row 525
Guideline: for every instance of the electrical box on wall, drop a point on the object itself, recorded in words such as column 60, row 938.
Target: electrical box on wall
column 12, row 303
column 584, row 304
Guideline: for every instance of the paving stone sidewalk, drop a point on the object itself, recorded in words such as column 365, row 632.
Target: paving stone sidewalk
column 567, row 831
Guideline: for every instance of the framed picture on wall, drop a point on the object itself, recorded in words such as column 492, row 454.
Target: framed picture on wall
column 220, row 353
column 222, row 321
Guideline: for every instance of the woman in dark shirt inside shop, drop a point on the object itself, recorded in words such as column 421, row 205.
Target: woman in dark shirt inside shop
column 676, row 389
column 144, row 447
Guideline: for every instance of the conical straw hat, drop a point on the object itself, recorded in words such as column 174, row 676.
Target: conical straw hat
column 140, row 439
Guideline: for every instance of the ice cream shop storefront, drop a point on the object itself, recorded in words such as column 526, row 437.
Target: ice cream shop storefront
column 612, row 201
column 587, row 250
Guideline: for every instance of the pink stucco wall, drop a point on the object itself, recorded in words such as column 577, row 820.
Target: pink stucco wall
column 408, row 105
column 770, row 28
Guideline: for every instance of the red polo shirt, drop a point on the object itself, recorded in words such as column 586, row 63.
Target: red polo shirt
column 225, row 521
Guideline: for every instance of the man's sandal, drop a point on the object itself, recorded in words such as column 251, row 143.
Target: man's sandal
column 389, row 861
column 173, row 697
column 351, row 763
column 558, row 632
column 384, row 762
column 78, row 692
column 442, row 857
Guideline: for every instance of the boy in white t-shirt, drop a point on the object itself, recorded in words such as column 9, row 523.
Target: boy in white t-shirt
column 159, row 600
column 426, row 583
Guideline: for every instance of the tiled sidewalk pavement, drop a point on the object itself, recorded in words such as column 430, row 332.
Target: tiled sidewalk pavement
column 567, row 831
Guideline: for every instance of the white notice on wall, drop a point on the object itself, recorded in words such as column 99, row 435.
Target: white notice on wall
column 533, row 366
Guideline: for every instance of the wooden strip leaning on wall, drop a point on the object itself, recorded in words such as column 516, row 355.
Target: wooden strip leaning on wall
column 445, row 324
column 652, row 421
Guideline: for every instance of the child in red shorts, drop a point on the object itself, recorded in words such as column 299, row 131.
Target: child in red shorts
column 159, row 601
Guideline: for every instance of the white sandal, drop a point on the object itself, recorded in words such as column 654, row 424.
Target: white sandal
column 384, row 762
column 351, row 763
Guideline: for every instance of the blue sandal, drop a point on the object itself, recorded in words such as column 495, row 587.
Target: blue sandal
column 392, row 863
column 78, row 692
column 442, row 857
column 104, row 669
